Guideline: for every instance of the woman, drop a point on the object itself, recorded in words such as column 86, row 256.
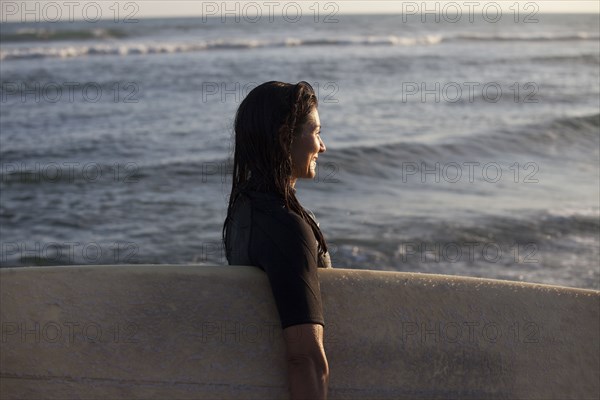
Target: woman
column 277, row 141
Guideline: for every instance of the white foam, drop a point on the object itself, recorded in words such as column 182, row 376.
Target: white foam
column 133, row 48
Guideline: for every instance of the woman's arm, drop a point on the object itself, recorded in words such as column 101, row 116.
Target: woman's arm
column 285, row 247
column 308, row 370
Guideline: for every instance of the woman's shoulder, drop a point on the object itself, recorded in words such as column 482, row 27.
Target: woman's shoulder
column 274, row 219
column 276, row 224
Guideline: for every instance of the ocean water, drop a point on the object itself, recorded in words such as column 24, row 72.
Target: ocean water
column 468, row 148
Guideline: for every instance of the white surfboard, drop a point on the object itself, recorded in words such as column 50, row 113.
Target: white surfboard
column 198, row 332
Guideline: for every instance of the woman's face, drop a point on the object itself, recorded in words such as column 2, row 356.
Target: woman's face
column 306, row 148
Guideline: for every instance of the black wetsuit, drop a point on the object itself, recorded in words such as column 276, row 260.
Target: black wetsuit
column 262, row 232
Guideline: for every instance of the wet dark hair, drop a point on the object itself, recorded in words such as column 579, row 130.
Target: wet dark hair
column 266, row 122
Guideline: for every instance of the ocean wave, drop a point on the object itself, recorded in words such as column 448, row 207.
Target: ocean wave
column 592, row 59
column 380, row 161
column 48, row 35
column 124, row 49
column 538, row 227
column 535, row 246
column 133, row 48
column 524, row 37
column 549, row 139
column 580, row 59
column 542, row 228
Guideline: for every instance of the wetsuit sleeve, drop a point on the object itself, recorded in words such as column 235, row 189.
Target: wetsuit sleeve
column 284, row 246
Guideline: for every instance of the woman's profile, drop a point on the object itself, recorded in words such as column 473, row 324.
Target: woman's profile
column 277, row 141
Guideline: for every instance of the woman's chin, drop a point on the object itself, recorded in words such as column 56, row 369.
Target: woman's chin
column 311, row 173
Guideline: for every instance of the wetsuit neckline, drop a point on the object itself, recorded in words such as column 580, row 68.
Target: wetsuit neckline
column 264, row 196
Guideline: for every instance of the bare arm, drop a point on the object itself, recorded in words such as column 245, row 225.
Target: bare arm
column 308, row 370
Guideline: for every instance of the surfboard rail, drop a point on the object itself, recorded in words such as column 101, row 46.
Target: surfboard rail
column 208, row 332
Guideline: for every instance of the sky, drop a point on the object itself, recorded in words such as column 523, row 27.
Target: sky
column 66, row 10
column 385, row 6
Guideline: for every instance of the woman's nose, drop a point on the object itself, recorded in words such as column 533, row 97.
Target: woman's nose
column 322, row 147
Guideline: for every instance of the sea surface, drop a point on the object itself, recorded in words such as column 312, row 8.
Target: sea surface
column 468, row 148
